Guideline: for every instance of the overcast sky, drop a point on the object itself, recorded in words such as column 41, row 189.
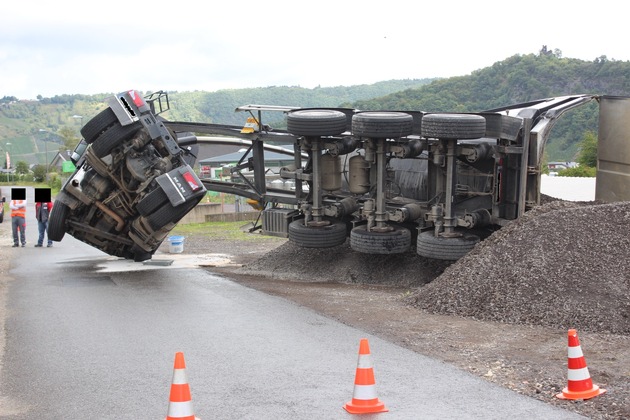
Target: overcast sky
column 60, row 47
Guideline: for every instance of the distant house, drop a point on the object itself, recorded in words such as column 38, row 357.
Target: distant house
column 59, row 159
column 557, row 166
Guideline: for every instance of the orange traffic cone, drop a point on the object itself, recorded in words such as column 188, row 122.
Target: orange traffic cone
column 180, row 403
column 364, row 399
column 579, row 384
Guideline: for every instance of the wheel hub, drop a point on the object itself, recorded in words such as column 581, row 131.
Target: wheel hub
column 318, row 223
column 382, row 229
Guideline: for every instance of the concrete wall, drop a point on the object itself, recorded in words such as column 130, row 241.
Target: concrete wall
column 244, row 216
column 213, row 212
column 199, row 212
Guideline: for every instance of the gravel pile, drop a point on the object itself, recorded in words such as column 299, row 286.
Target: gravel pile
column 564, row 264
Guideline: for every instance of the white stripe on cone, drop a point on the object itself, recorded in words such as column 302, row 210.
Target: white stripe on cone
column 180, row 409
column 364, row 362
column 578, row 374
column 575, row 352
column 364, row 392
column 179, row 377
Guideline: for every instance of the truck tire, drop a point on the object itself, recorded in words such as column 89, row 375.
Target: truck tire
column 316, row 122
column 101, row 122
column 445, row 248
column 397, row 241
column 503, row 126
column 57, row 221
column 453, row 126
column 152, row 201
column 112, row 137
column 327, row 236
column 382, row 125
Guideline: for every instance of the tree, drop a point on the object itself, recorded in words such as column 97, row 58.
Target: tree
column 544, row 164
column 587, row 155
column 578, row 172
column 70, row 139
column 21, row 167
column 39, row 173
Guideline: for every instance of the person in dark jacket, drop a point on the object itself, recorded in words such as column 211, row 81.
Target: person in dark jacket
column 42, row 211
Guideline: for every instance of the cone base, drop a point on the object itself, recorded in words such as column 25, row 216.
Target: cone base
column 378, row 407
column 580, row 395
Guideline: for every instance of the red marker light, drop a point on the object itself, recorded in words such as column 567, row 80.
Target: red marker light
column 137, row 99
column 192, row 183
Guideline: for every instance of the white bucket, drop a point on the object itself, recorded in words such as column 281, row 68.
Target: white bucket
column 176, row 244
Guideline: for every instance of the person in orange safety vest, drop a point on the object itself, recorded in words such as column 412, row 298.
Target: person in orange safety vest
column 18, row 221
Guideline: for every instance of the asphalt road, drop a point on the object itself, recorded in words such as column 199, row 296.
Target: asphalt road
column 88, row 336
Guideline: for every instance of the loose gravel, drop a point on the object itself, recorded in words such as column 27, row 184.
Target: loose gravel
column 563, row 264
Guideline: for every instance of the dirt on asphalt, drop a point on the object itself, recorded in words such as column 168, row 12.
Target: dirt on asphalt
column 502, row 312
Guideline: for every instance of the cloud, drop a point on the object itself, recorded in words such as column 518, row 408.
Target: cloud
column 65, row 47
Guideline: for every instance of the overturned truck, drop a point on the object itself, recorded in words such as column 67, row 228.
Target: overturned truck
column 391, row 181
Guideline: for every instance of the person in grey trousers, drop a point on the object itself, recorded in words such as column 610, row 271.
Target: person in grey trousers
column 18, row 221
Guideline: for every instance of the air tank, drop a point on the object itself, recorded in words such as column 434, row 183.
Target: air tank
column 331, row 172
column 359, row 175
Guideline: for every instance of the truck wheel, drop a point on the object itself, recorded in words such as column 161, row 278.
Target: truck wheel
column 316, row 122
column 57, row 221
column 152, row 201
column 397, row 241
column 382, row 125
column 112, row 137
column 502, row 126
column 93, row 128
column 327, row 236
column 445, row 248
column 453, row 126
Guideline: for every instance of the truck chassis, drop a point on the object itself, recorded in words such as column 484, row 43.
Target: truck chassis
column 391, row 179
column 387, row 180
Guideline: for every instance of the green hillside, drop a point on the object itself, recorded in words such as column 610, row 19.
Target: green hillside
column 29, row 128
column 519, row 79
column 218, row 107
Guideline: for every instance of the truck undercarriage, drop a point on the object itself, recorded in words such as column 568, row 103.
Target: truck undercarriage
column 388, row 180
column 392, row 179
